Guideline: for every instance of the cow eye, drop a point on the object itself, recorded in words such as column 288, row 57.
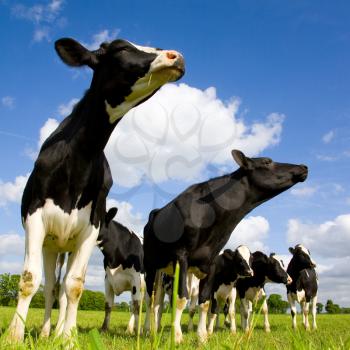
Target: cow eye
column 267, row 161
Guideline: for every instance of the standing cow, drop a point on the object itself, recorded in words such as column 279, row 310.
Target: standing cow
column 304, row 287
column 123, row 263
column 228, row 268
column 196, row 225
column 250, row 290
column 64, row 201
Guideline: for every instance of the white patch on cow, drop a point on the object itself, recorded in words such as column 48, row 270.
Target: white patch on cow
column 121, row 279
column 146, row 49
column 223, row 292
column 279, row 260
column 63, row 230
column 197, row 272
column 244, row 252
column 305, row 250
column 254, row 293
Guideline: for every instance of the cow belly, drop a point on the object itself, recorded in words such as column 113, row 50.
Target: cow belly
column 254, row 293
column 224, row 291
column 64, row 230
column 121, row 279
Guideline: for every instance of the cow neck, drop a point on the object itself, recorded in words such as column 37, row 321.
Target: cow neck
column 89, row 125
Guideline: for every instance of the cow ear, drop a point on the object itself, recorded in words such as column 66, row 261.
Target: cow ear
column 110, row 215
column 229, row 254
column 74, row 54
column 272, row 255
column 241, row 159
column 291, row 250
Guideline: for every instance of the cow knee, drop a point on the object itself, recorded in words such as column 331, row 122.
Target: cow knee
column 74, row 288
column 28, row 284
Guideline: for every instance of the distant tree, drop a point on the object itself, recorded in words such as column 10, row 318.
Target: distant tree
column 332, row 308
column 38, row 300
column 91, row 300
column 8, row 289
column 124, row 306
column 345, row 310
column 276, row 305
column 319, row 307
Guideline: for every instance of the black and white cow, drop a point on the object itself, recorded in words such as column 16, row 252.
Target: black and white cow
column 250, row 290
column 304, row 287
column 64, row 201
column 196, row 225
column 123, row 263
column 228, row 268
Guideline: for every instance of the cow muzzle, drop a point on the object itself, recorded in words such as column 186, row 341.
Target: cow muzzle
column 289, row 280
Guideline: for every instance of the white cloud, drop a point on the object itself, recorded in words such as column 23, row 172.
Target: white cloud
column 100, row 37
column 8, row 101
column 126, row 216
column 12, row 191
column 252, row 231
column 328, row 239
column 181, row 130
column 306, row 191
column 65, row 109
column 11, row 243
column 41, row 33
column 44, row 17
column 46, row 130
column 326, row 158
column 328, row 137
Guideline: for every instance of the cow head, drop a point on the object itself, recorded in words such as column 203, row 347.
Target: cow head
column 269, row 178
column 275, row 270
column 125, row 74
column 301, row 257
column 241, row 259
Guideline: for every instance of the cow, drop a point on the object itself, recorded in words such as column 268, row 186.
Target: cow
column 227, row 268
column 123, row 263
column 64, row 200
column 266, row 269
column 195, row 226
column 304, row 287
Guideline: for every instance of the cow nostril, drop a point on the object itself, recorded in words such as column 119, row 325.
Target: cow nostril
column 171, row 55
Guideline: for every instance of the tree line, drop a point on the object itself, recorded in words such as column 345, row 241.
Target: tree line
column 92, row 300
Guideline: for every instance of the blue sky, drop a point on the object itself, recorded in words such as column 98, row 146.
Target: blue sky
column 283, row 57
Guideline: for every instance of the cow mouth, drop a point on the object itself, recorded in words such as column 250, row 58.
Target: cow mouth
column 174, row 72
column 302, row 175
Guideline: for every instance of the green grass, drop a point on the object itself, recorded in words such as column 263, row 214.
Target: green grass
column 333, row 333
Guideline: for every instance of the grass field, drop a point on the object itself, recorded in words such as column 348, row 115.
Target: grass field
column 333, row 333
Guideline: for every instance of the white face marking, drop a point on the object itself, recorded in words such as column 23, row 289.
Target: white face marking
column 304, row 249
column 279, row 260
column 245, row 253
column 157, row 76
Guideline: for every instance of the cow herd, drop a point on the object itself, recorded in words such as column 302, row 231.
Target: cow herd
column 64, row 211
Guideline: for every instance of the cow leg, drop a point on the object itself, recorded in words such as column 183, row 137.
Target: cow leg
column 293, row 310
column 306, row 306
column 245, row 314
column 31, row 275
column 232, row 310
column 205, row 287
column 158, row 301
column 213, row 314
column 266, row 317
column 62, row 310
column 192, row 311
column 150, row 277
column 314, row 312
column 75, row 277
column 136, row 300
column 182, row 299
column 50, row 259
column 109, row 299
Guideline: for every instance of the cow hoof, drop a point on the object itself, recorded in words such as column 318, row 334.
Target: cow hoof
column 233, row 331
column 14, row 336
column 129, row 331
column 203, row 337
column 178, row 338
column 267, row 330
column 104, row 329
column 44, row 333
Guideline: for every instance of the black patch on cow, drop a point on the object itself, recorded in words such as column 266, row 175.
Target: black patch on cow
column 133, row 290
